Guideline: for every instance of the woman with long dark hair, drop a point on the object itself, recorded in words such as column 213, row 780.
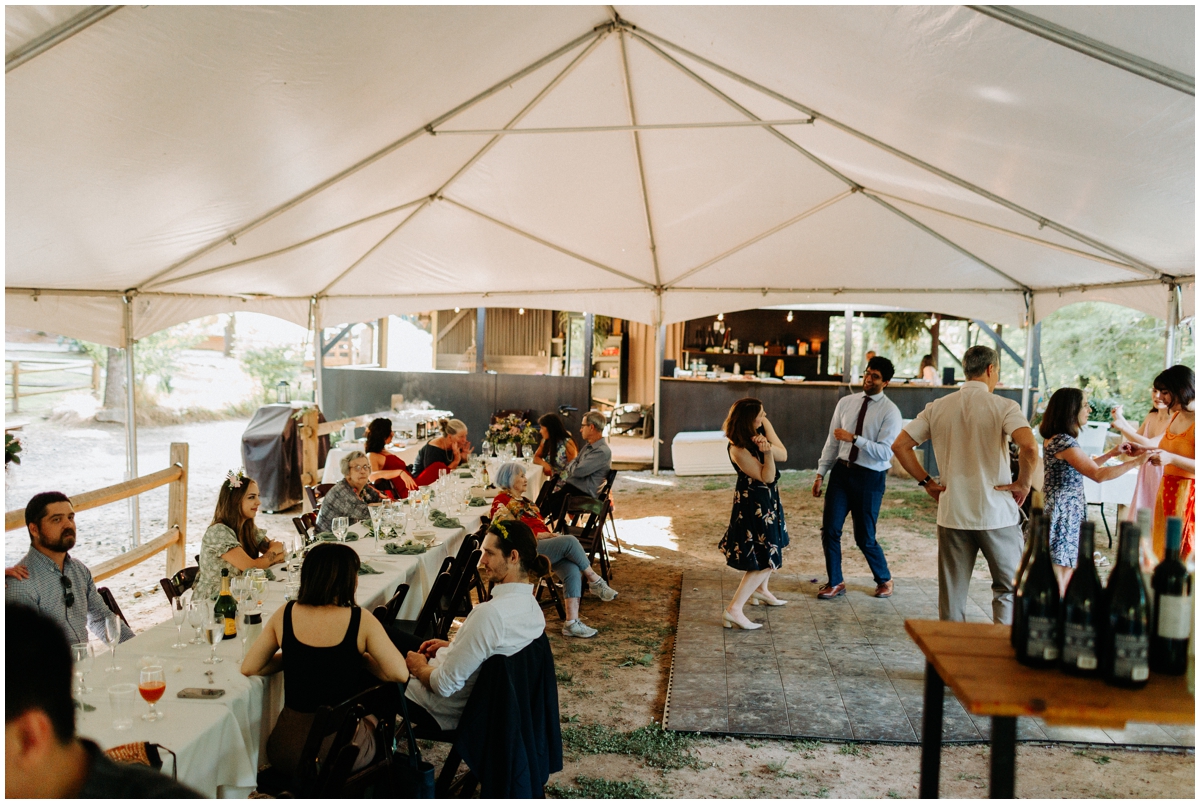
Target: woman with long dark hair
column 557, row 448
column 757, row 532
column 321, row 641
column 233, row 541
column 389, row 473
column 1177, row 457
column 1066, row 467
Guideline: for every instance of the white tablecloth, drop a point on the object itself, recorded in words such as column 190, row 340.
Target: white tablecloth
column 219, row 742
column 533, row 473
column 333, row 461
column 701, row 453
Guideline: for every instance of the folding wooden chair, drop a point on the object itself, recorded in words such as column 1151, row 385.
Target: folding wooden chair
column 587, row 516
column 611, row 519
column 107, row 596
column 388, row 611
column 179, row 583
column 306, row 525
column 549, row 585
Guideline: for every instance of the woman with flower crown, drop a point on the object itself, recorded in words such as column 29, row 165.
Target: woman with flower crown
column 233, row 541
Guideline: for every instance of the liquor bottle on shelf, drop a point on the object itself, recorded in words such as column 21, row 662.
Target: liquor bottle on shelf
column 1018, row 623
column 1172, row 608
column 1125, row 640
column 226, row 607
column 1082, row 611
column 1039, row 603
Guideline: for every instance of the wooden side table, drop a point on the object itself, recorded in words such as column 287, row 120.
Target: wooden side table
column 980, row 666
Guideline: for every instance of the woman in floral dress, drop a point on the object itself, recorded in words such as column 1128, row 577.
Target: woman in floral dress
column 757, row 533
column 1066, row 467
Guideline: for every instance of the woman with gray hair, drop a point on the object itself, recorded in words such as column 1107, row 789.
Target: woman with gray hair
column 352, row 494
column 564, row 551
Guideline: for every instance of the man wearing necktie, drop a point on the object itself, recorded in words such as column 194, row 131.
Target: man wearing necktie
column 856, row 458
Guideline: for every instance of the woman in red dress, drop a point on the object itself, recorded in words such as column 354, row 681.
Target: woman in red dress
column 389, row 474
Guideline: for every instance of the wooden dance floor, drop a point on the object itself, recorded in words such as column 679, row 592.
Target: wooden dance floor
column 839, row 669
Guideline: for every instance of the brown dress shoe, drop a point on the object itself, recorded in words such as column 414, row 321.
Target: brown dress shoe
column 828, row 592
column 884, row 589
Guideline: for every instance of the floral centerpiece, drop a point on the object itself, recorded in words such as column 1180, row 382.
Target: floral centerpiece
column 512, row 430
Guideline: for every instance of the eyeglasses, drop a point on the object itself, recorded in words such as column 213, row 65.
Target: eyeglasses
column 362, row 467
column 68, row 595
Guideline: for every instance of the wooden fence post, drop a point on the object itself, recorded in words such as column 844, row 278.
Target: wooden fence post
column 310, row 453
column 177, row 511
column 16, row 364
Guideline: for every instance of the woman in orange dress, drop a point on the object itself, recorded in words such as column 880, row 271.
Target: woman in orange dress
column 1177, row 456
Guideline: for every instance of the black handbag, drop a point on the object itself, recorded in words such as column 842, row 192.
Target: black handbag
column 413, row 777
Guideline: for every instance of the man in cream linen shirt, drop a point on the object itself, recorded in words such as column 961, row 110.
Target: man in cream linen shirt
column 978, row 501
column 443, row 673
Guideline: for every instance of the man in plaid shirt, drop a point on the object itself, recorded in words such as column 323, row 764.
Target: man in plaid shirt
column 55, row 584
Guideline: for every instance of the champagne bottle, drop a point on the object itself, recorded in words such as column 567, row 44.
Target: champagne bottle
column 226, row 606
column 1018, row 623
column 1172, row 608
column 1039, row 604
column 1082, row 611
column 1125, row 640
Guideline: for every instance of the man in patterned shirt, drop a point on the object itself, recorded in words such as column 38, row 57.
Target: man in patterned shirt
column 57, row 585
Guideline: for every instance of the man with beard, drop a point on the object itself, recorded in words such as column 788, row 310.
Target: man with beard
column 57, row 585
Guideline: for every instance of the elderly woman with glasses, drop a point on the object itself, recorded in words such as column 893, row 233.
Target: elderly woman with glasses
column 565, row 553
column 352, row 494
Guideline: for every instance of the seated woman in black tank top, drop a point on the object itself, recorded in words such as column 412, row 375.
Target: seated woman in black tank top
column 326, row 645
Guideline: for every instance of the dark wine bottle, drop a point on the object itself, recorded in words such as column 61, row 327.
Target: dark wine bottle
column 1018, row 623
column 1082, row 611
column 226, row 607
column 1125, row 641
column 1039, row 603
column 1172, row 608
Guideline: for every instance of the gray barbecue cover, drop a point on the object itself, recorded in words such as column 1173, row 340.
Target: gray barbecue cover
column 271, row 454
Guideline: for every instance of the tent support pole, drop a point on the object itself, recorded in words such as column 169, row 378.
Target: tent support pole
column 318, row 355
column 131, row 463
column 1172, row 323
column 847, row 357
column 660, row 346
column 1026, row 385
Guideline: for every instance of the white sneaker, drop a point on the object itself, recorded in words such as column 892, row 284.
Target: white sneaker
column 602, row 590
column 576, row 628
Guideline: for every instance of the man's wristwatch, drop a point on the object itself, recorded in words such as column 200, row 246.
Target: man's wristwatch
column 923, row 483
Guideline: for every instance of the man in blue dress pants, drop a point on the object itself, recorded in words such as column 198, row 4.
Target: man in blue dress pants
column 856, row 458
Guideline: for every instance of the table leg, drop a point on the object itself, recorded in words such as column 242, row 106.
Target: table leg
column 1004, row 757
column 931, row 733
column 1104, row 519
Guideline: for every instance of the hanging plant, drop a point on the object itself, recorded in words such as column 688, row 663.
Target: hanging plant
column 904, row 330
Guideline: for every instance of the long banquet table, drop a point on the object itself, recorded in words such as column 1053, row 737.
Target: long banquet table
column 218, row 742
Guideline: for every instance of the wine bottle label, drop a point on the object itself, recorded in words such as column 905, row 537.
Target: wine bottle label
column 1131, row 657
column 1079, row 646
column 230, row 627
column 1174, row 616
column 1041, row 638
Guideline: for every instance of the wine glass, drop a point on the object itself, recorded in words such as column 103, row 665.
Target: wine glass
column 196, row 620
column 258, row 579
column 178, row 616
column 112, row 637
column 214, row 632
column 152, row 684
column 81, row 655
column 376, row 512
column 341, row 524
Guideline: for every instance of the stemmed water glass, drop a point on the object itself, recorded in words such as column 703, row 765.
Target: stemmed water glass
column 151, row 685
column 214, row 632
column 258, row 580
column 196, row 619
column 81, row 654
column 376, row 512
column 112, row 637
column 341, row 524
column 178, row 616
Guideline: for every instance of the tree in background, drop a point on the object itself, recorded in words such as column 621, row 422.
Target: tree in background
column 1111, row 351
column 270, row 364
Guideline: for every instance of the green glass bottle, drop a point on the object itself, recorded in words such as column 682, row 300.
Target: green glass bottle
column 226, row 606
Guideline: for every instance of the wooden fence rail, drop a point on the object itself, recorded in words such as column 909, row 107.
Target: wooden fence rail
column 174, row 541
column 18, row 368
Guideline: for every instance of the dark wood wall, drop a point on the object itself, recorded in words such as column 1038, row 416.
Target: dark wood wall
column 472, row 397
column 800, row 413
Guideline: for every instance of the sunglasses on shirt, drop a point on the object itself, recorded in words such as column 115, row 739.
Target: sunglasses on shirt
column 68, row 595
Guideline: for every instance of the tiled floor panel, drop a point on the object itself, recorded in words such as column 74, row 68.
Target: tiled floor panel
column 841, row 669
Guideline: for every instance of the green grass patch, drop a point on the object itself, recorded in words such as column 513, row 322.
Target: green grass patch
column 657, row 748
column 591, row 787
column 716, row 485
column 633, row 660
column 576, row 647
column 853, row 750
column 564, row 677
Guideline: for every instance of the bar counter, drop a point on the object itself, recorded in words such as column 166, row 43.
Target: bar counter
column 800, row 411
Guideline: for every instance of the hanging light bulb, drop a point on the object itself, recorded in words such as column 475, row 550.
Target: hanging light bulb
column 720, row 316
column 520, row 311
column 790, row 316
column 456, row 309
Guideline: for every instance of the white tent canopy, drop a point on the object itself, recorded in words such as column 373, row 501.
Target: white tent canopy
column 659, row 165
